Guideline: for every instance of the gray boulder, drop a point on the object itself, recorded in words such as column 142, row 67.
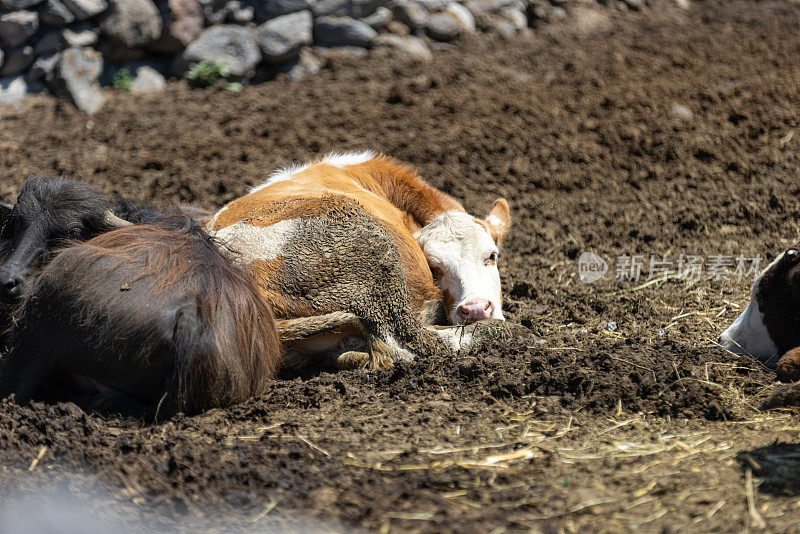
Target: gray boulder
column 43, row 69
column 235, row 45
column 18, row 27
column 408, row 46
column 329, row 7
column 409, row 13
column 81, row 35
column 77, row 74
column 343, row 31
column 364, row 8
column 15, row 5
column 436, row 5
column 48, row 43
column 12, row 90
column 269, row 9
column 481, row 7
column 282, row 38
column 84, row 9
column 55, row 13
column 182, row 22
column 450, row 23
column 148, row 80
column 306, row 66
column 378, row 20
column 443, row 27
column 17, row 61
column 132, row 23
column 463, row 16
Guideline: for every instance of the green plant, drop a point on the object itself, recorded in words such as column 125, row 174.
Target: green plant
column 123, row 79
column 208, row 73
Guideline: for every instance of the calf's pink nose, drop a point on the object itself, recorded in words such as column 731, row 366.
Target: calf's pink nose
column 476, row 310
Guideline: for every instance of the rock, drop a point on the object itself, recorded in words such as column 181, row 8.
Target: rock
column 235, row 45
column 282, row 38
column 328, row 7
column 18, row 27
column 635, row 5
column 586, row 20
column 359, row 9
column 343, row 31
column 77, row 74
column 17, row 61
column 182, row 22
column 464, row 17
column 132, row 23
column 307, row 65
column 397, row 28
column 482, row 7
column 220, row 11
column 435, row 5
column 681, row 111
column 43, row 69
column 55, row 13
column 82, row 35
column 84, row 9
column 15, row 5
column 269, row 9
column 12, row 90
column 411, row 47
column 443, row 27
column 378, row 20
column 148, row 80
column 239, row 13
column 48, row 43
column 340, row 54
column 507, row 23
column 556, row 13
column 409, row 13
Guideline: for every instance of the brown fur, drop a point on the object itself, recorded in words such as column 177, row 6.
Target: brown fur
column 154, row 314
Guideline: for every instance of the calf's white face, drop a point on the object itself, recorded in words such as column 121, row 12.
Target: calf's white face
column 463, row 252
column 770, row 325
column 748, row 334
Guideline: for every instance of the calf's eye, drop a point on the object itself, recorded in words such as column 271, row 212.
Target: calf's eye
column 492, row 259
column 76, row 233
column 437, row 272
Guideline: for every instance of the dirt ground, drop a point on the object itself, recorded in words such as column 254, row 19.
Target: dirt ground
column 648, row 426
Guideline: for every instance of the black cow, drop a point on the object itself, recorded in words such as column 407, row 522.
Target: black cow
column 50, row 212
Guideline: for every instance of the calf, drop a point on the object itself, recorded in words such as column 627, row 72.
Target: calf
column 150, row 317
column 323, row 254
column 770, row 325
column 432, row 230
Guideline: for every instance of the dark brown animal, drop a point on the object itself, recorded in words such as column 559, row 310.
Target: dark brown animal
column 147, row 319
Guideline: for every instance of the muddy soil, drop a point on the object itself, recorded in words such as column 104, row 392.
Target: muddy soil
column 666, row 131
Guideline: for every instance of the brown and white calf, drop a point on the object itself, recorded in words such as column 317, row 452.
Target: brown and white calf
column 770, row 325
column 436, row 236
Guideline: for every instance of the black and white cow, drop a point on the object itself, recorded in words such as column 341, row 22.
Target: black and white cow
column 770, row 326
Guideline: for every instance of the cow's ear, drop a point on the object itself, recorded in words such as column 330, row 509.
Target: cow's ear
column 5, row 212
column 499, row 220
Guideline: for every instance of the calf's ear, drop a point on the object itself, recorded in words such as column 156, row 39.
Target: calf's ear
column 499, row 220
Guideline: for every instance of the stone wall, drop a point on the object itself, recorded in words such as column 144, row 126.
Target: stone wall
column 72, row 46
